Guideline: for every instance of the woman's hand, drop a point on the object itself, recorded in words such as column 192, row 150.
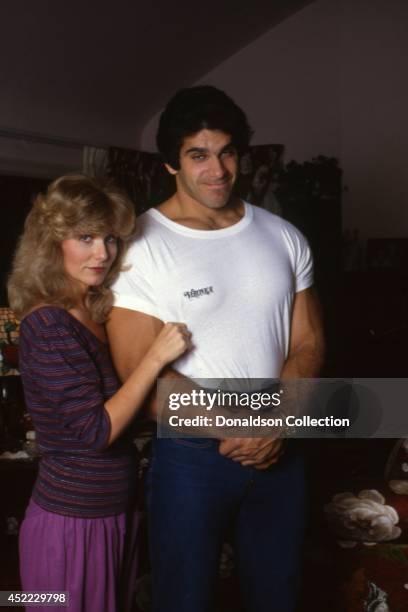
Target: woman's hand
column 173, row 340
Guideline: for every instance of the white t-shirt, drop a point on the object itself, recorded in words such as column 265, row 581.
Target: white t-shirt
column 233, row 287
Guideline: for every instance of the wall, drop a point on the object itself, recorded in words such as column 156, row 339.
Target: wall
column 25, row 157
column 374, row 103
column 281, row 79
column 331, row 80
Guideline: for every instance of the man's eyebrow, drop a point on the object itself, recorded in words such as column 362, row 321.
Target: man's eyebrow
column 196, row 150
column 229, row 145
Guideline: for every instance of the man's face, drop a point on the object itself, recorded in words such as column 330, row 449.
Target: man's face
column 208, row 168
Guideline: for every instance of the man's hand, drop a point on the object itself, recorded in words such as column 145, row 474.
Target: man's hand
column 260, row 453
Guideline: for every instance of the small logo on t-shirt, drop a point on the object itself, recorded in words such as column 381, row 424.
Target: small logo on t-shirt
column 196, row 293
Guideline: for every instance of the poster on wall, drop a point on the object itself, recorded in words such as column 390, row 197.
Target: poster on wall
column 260, row 170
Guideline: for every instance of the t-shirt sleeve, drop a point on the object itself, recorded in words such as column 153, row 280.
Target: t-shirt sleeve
column 135, row 289
column 68, row 380
column 302, row 258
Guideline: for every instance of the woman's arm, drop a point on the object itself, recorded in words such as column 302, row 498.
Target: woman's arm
column 172, row 341
column 64, row 382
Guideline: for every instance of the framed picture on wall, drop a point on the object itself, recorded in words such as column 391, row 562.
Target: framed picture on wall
column 260, row 169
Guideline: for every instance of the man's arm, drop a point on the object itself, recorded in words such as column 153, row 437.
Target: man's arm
column 305, row 359
column 307, row 348
column 131, row 334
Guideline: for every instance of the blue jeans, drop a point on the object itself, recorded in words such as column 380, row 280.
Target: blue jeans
column 195, row 496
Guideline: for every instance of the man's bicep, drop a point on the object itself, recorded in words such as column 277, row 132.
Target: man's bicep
column 131, row 333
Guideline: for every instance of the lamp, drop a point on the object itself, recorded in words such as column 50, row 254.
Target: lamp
column 9, row 327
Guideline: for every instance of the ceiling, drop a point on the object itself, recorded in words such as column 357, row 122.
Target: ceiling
column 95, row 72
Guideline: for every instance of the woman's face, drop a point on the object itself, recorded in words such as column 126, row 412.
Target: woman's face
column 88, row 259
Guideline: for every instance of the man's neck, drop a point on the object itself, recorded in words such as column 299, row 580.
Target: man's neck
column 197, row 216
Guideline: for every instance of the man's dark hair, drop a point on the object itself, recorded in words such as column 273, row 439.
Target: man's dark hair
column 198, row 108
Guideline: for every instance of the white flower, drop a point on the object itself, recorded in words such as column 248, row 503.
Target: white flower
column 363, row 518
column 399, row 486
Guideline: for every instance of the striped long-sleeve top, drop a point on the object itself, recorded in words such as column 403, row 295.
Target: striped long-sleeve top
column 68, row 375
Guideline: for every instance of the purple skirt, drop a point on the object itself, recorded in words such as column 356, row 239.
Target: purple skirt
column 84, row 556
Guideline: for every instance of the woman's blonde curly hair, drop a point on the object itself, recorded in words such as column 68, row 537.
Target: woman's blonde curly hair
column 73, row 205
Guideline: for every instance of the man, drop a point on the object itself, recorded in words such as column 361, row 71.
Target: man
column 240, row 278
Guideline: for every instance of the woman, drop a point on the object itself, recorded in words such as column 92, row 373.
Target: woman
column 71, row 250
